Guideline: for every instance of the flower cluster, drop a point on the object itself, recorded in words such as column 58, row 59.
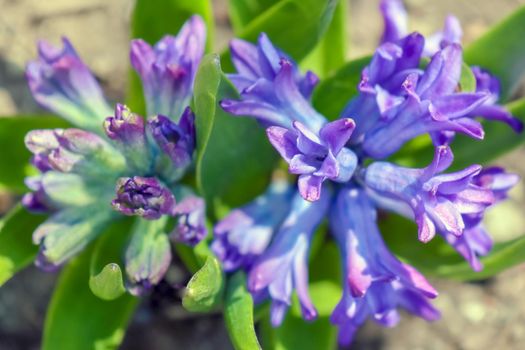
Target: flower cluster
column 342, row 175
column 122, row 164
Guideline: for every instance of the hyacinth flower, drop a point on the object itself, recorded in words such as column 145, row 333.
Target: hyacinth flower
column 316, row 158
column 125, row 164
column 244, row 234
column 268, row 80
column 375, row 282
column 382, row 82
column 475, row 240
column 398, row 100
column 395, row 19
column 436, row 200
column 63, row 84
column 167, row 69
column 430, row 104
column 273, row 92
column 283, row 267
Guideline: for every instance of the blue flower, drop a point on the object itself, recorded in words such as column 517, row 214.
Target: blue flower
column 375, row 282
column 283, row 267
column 435, row 200
column 246, row 232
column 316, row 158
column 429, row 104
column 398, row 99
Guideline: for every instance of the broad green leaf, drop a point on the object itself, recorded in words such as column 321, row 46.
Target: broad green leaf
column 332, row 94
column 205, row 289
column 330, row 53
column 14, row 157
column 325, row 291
column 234, row 158
column 439, row 259
column 106, row 279
column 16, row 244
column 238, row 313
column 77, row 319
column 501, row 51
column 153, row 19
column 295, row 26
column 242, row 12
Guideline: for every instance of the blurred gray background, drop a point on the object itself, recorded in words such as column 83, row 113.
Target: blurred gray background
column 483, row 315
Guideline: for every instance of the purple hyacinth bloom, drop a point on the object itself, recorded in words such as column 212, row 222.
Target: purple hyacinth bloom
column 395, row 20
column 376, row 283
column 381, row 83
column 475, row 240
column 61, row 83
column 262, row 62
column 177, row 140
column 434, row 200
column 271, row 89
column 168, row 69
column 127, row 130
column 430, row 104
column 143, row 196
column 246, row 232
column 316, row 158
column 191, row 221
column 148, row 255
column 283, row 267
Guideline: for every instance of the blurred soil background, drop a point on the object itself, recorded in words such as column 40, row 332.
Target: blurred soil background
column 482, row 315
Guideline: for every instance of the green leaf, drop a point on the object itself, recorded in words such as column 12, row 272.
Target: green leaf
column 77, row 319
column 16, row 244
column 242, row 12
column 205, row 289
column 330, row 53
column 234, row 158
column 106, row 279
column 501, row 50
column 153, row 19
column 295, row 26
column 325, row 291
column 238, row 313
column 332, row 94
column 14, row 157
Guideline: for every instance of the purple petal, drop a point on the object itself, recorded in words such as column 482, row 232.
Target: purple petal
column 337, row 133
column 310, row 187
column 395, row 20
column 284, row 141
